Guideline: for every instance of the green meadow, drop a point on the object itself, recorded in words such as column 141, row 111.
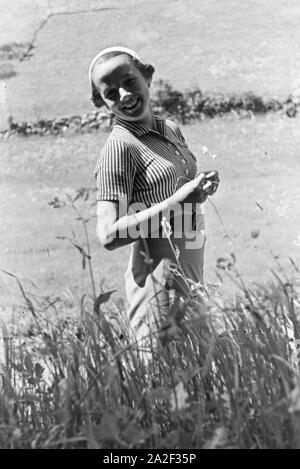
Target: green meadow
column 257, row 202
column 222, row 371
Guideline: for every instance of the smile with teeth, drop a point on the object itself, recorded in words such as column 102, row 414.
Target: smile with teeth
column 130, row 106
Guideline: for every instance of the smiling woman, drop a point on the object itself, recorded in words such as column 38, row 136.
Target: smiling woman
column 123, row 87
column 146, row 172
column 124, row 83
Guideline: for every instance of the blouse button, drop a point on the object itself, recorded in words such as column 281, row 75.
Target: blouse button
column 183, row 161
column 177, row 152
column 186, row 171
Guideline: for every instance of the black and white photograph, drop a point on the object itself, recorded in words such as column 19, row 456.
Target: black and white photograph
column 149, row 227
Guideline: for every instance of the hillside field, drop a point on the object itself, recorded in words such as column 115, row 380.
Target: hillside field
column 217, row 45
column 258, row 201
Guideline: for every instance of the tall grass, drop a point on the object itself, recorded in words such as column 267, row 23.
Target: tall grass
column 215, row 373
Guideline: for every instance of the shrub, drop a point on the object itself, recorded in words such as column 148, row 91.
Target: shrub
column 184, row 107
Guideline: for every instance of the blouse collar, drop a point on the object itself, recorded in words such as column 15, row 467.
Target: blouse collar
column 138, row 129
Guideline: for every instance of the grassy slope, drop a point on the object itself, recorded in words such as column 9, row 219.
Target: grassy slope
column 217, row 45
column 21, row 18
column 221, row 45
column 257, row 161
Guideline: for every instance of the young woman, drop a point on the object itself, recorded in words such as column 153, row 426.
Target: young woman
column 146, row 172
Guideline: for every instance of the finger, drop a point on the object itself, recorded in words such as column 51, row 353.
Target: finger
column 198, row 179
column 214, row 189
column 211, row 174
column 207, row 185
column 214, row 177
column 200, row 176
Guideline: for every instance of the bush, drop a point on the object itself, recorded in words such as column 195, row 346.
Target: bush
column 184, row 107
column 14, row 51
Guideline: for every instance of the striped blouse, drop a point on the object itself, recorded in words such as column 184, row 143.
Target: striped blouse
column 143, row 165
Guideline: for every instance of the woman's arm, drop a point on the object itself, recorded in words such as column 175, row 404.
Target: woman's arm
column 114, row 232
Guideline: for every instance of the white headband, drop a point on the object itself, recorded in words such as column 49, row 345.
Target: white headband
column 111, row 49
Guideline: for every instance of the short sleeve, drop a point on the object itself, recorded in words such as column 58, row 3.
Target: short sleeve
column 115, row 172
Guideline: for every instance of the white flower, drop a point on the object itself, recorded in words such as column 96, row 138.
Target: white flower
column 178, row 398
column 218, row 439
column 166, row 227
column 177, row 252
column 295, row 399
column 297, row 241
column 16, row 434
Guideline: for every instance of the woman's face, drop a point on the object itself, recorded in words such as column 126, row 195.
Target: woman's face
column 123, row 88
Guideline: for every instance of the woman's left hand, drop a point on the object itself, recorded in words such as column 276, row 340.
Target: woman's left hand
column 204, row 184
column 211, row 182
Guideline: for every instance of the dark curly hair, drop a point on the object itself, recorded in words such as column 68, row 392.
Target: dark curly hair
column 146, row 70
